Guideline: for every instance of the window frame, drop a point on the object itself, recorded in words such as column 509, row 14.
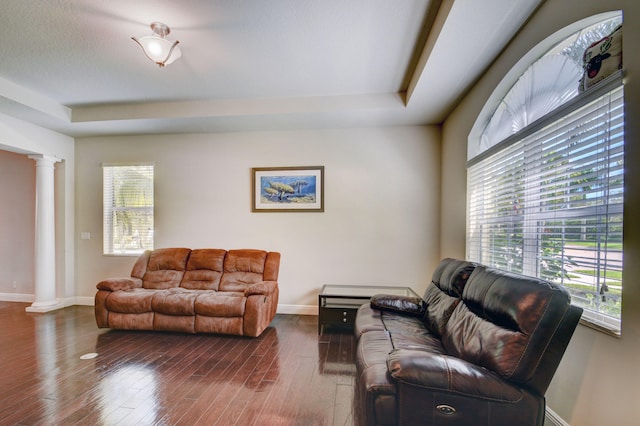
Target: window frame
column 523, row 238
column 521, row 67
column 110, row 207
column 593, row 318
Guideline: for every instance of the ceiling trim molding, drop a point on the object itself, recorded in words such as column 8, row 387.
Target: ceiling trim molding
column 436, row 28
column 31, row 99
column 236, row 107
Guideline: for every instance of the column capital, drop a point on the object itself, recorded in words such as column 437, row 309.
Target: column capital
column 44, row 159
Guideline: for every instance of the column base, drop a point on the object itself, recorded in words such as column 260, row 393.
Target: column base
column 41, row 307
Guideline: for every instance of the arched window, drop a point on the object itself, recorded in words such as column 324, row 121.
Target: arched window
column 545, row 172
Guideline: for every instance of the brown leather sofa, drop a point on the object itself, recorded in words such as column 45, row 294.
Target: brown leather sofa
column 479, row 348
column 193, row 291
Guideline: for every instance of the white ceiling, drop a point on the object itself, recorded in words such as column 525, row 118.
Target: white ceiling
column 71, row 66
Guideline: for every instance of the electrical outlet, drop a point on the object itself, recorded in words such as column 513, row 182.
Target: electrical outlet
column 15, row 285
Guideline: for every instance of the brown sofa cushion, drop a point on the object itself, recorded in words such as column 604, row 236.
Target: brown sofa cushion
column 220, row 304
column 165, row 268
column 245, row 260
column 140, row 267
column 242, row 268
column 204, row 269
column 271, row 266
column 130, row 301
column 175, row 301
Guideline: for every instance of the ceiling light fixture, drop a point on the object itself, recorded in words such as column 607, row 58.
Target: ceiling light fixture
column 159, row 49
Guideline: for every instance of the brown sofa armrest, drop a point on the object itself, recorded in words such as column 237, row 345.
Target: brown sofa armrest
column 406, row 305
column 263, row 287
column 115, row 284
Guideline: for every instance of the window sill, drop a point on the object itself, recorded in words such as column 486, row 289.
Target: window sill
column 600, row 327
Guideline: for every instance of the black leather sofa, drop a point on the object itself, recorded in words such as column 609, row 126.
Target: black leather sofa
column 479, row 348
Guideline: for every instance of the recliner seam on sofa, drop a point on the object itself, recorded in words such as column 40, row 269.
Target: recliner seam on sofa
column 484, row 398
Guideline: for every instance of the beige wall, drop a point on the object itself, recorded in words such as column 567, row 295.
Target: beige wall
column 380, row 224
column 18, row 137
column 17, row 219
column 384, row 219
column 598, row 382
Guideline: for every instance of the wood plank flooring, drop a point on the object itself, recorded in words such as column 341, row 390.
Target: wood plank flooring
column 287, row 376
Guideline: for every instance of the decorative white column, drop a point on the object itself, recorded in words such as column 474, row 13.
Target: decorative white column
column 45, row 261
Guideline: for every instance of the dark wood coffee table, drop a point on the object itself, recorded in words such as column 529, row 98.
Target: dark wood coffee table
column 337, row 304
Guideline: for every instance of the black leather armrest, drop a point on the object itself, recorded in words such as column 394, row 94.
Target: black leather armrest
column 407, row 305
column 449, row 374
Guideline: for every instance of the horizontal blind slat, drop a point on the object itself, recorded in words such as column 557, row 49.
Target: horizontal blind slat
column 127, row 208
column 558, row 191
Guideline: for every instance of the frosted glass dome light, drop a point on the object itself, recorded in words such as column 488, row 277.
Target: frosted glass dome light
column 157, row 47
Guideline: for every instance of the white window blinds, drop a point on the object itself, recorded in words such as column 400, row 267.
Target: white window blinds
column 127, row 208
column 549, row 204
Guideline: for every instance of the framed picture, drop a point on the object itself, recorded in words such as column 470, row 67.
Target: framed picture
column 287, row 189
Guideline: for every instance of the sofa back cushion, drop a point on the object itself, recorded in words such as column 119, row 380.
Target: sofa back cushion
column 165, row 268
column 242, row 268
column 506, row 322
column 140, row 267
column 444, row 292
column 271, row 266
column 204, row 269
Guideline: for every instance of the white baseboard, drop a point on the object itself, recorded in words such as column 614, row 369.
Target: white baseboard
column 16, row 297
column 298, row 309
column 30, row 298
column 551, row 418
column 83, row 300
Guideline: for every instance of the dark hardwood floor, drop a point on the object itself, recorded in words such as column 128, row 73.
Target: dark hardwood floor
column 287, row 376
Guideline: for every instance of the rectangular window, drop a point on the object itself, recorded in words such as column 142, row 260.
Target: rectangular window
column 549, row 204
column 127, row 209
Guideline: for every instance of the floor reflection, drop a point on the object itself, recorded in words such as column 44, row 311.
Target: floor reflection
column 129, row 388
column 335, row 353
column 45, row 339
column 144, row 374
